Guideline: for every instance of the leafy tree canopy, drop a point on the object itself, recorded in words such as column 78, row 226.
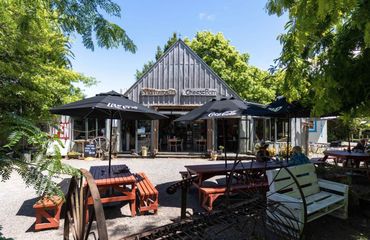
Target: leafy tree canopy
column 326, row 55
column 35, row 73
column 232, row 66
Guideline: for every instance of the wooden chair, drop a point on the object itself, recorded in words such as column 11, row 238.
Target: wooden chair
column 148, row 194
column 320, row 197
column 179, row 144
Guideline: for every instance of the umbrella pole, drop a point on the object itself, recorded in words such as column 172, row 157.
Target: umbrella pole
column 287, row 141
column 110, row 143
column 224, row 132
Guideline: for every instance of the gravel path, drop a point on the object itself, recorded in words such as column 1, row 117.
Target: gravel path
column 17, row 215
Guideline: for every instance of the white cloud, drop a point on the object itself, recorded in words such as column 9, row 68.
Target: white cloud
column 206, row 16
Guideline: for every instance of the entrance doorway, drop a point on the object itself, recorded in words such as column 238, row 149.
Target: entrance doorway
column 228, row 134
column 182, row 136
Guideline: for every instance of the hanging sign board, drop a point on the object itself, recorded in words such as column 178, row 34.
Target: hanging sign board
column 90, row 150
column 211, row 92
column 157, row 92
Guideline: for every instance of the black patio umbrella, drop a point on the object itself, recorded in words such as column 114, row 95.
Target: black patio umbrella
column 281, row 108
column 225, row 108
column 222, row 109
column 111, row 105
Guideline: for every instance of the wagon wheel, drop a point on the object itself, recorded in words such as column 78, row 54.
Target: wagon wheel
column 266, row 218
column 102, row 146
column 79, row 216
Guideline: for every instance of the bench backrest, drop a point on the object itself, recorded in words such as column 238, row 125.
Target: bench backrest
column 282, row 182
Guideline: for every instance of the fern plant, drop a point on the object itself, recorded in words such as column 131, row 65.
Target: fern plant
column 26, row 153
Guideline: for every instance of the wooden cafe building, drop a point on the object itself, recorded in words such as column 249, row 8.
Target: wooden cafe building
column 177, row 83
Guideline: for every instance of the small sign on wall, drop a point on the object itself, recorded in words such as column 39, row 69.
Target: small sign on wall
column 90, row 150
column 312, row 126
column 157, row 92
column 199, row 92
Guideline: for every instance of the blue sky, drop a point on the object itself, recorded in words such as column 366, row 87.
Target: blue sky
column 151, row 22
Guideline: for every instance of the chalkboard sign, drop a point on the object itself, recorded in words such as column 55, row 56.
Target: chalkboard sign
column 90, row 150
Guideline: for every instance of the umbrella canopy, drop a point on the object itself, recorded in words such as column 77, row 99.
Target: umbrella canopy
column 283, row 109
column 110, row 105
column 224, row 108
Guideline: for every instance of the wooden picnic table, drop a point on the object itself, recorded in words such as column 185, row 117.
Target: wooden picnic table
column 207, row 171
column 120, row 181
column 360, row 156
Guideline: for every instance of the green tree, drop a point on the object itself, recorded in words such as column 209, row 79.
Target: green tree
column 159, row 53
column 36, row 74
column 326, row 55
column 249, row 82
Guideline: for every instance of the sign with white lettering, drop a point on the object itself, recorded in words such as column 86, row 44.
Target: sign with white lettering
column 275, row 109
column 223, row 114
column 119, row 106
column 199, row 92
column 90, row 150
column 157, row 92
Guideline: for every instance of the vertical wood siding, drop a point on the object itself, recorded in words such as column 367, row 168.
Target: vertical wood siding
column 179, row 68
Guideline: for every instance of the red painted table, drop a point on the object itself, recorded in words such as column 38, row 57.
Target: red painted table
column 120, row 181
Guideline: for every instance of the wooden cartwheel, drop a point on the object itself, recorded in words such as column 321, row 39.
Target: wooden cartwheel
column 79, row 216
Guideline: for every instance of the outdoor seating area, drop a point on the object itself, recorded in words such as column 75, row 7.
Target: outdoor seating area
column 188, row 120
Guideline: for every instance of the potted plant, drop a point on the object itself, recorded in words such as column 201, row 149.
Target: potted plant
column 154, row 152
column 73, row 155
column 220, row 149
column 213, row 154
column 144, row 151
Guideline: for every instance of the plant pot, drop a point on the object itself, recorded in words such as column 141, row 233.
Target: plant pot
column 214, row 157
column 144, row 151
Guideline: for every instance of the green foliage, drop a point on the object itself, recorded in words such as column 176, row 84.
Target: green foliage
column 249, row 82
column 26, row 153
column 35, row 73
column 2, row 236
column 326, row 54
column 85, row 18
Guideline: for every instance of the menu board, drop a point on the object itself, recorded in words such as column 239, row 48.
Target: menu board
column 90, row 150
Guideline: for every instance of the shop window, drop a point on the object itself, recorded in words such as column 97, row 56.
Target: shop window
column 79, row 129
column 282, row 130
column 143, row 133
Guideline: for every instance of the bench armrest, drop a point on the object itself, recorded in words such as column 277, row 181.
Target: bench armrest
column 285, row 199
column 333, row 186
column 289, row 206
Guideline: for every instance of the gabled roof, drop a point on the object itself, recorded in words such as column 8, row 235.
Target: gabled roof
column 152, row 75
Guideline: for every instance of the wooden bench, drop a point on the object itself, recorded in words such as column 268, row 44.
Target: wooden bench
column 148, row 194
column 48, row 209
column 48, row 212
column 321, row 197
column 210, row 194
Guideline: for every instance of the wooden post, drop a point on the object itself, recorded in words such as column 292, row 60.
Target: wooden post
column 184, row 196
column 210, row 126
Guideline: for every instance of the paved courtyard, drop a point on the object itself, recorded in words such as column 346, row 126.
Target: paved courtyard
column 17, row 215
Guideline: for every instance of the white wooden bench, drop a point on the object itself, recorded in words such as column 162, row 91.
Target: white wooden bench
column 321, row 196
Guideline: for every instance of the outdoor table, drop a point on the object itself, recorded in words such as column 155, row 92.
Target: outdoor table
column 120, row 180
column 174, row 142
column 347, row 156
column 81, row 142
column 207, row 171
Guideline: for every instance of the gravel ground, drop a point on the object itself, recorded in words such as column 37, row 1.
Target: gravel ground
column 17, row 215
